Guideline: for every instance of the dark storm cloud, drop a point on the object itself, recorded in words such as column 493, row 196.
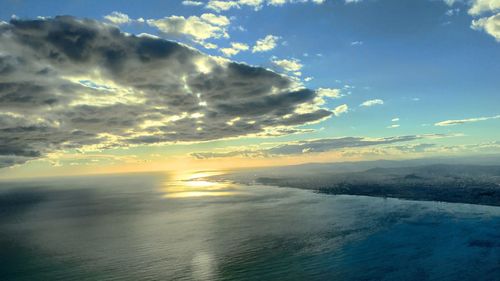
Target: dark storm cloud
column 69, row 83
column 319, row 145
column 7, row 161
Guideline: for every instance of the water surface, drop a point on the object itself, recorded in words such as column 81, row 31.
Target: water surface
column 182, row 227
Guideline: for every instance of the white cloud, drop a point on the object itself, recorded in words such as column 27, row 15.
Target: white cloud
column 329, row 93
column 323, row 93
column 462, row 121
column 118, row 18
column 490, row 25
column 239, row 28
column 450, row 2
column 283, row 2
column 341, row 109
column 209, row 45
column 256, row 4
column 198, row 28
column 192, row 3
column 220, row 6
column 393, row 126
column 276, row 2
column 240, row 46
column 215, row 19
column 352, row 1
column 369, row 103
column 265, row 44
column 229, row 52
column 291, row 65
column 395, row 119
column 356, row 43
column 235, row 49
column 452, row 12
column 481, row 6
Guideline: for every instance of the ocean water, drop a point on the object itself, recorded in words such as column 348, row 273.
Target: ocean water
column 182, row 227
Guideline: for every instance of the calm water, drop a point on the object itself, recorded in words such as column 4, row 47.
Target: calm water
column 179, row 227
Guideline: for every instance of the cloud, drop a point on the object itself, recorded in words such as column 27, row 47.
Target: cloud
column 396, row 119
column 215, row 19
column 208, row 45
column 8, row 161
column 192, row 3
column 463, row 121
column 452, row 12
column 283, row 2
column 220, row 6
column 235, row 49
column 198, row 28
column 329, row 92
column 485, row 147
column 341, row 109
column 265, row 44
column 319, row 145
column 393, row 126
column 369, row 103
column 450, row 2
column 291, row 65
column 118, row 18
column 69, row 83
column 240, row 46
column 323, row 145
column 415, row 148
column 481, row 6
column 224, row 5
column 240, row 153
column 490, row 25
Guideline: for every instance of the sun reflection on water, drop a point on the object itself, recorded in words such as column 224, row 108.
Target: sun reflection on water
column 196, row 184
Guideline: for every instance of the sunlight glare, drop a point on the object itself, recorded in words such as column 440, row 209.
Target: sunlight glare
column 196, row 184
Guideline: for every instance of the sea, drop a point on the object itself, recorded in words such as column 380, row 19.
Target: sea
column 183, row 226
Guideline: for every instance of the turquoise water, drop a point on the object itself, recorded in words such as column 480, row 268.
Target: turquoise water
column 171, row 227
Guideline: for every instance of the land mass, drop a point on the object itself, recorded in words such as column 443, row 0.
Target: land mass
column 458, row 183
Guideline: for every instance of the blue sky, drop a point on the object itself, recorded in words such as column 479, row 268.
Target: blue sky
column 418, row 62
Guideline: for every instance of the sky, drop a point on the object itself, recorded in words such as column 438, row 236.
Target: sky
column 122, row 86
